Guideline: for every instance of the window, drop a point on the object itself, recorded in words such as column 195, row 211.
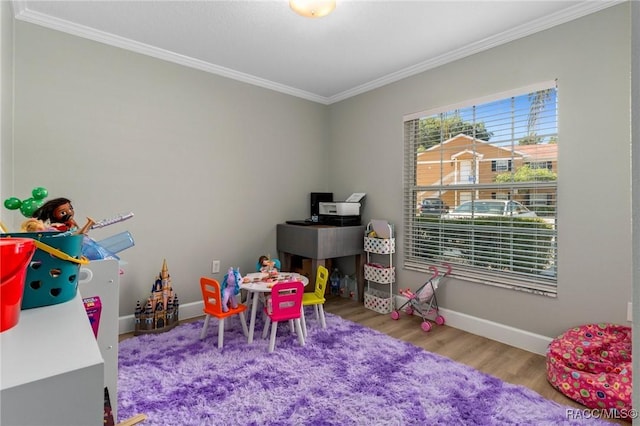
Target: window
column 540, row 165
column 493, row 163
column 501, row 166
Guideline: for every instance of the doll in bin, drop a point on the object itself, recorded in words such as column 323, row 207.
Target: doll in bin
column 58, row 214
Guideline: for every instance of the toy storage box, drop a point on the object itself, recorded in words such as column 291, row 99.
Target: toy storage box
column 93, row 306
column 379, row 273
column 51, row 279
column 378, row 301
column 380, row 245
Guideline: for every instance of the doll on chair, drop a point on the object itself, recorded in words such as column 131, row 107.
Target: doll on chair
column 268, row 265
column 230, row 288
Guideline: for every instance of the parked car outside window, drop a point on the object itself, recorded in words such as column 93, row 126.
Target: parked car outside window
column 488, row 208
column 433, row 206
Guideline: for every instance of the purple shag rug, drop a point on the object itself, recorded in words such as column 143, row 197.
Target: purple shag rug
column 346, row 374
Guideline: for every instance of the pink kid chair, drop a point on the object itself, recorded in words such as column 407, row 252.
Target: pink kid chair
column 213, row 308
column 285, row 304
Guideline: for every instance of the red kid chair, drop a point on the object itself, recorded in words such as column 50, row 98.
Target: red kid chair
column 213, row 308
column 286, row 305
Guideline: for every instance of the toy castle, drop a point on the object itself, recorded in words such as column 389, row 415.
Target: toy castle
column 160, row 312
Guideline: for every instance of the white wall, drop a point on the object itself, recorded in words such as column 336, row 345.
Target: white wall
column 635, row 125
column 590, row 58
column 210, row 165
column 6, row 104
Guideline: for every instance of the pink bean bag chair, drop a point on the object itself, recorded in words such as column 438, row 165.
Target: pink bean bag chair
column 591, row 364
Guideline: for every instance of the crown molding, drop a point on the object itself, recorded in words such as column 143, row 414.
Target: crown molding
column 579, row 10
column 22, row 13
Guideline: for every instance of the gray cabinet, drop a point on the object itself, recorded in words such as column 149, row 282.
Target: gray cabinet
column 319, row 243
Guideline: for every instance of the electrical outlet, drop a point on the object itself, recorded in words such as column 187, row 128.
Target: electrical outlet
column 215, row 266
column 629, row 312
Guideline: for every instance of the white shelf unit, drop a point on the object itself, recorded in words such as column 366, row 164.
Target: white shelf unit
column 379, row 271
column 101, row 278
column 51, row 369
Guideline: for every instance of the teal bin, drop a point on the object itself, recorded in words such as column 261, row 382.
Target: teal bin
column 52, row 274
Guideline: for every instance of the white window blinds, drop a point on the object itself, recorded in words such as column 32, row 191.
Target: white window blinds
column 494, row 165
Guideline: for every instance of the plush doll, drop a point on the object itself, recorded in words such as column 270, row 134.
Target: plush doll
column 230, row 288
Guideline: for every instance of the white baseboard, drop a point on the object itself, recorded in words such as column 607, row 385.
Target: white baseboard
column 126, row 324
column 522, row 339
column 511, row 336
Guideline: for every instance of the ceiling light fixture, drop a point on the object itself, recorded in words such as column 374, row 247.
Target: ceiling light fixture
column 312, row 8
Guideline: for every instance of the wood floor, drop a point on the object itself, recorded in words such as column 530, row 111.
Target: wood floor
column 508, row 363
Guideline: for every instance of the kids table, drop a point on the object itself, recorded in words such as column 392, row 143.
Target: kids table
column 258, row 285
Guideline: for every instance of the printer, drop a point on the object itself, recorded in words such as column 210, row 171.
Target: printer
column 341, row 213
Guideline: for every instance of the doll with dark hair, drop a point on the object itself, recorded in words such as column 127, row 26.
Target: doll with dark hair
column 268, row 265
column 58, row 213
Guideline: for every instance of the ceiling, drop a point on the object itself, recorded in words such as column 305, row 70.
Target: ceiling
column 362, row 45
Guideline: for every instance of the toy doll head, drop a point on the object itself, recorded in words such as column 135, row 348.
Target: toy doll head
column 58, row 210
column 231, row 275
column 32, row 225
column 232, row 279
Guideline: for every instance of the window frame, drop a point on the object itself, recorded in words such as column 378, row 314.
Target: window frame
column 502, row 165
column 542, row 282
column 537, row 165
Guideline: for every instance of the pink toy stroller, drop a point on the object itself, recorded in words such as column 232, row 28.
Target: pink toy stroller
column 424, row 300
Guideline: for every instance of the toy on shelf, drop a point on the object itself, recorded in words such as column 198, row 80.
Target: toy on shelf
column 108, row 247
column 160, row 313
column 54, row 215
column 34, row 208
column 230, row 288
column 59, row 214
column 106, row 222
column 30, row 205
column 33, row 225
column 93, row 306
